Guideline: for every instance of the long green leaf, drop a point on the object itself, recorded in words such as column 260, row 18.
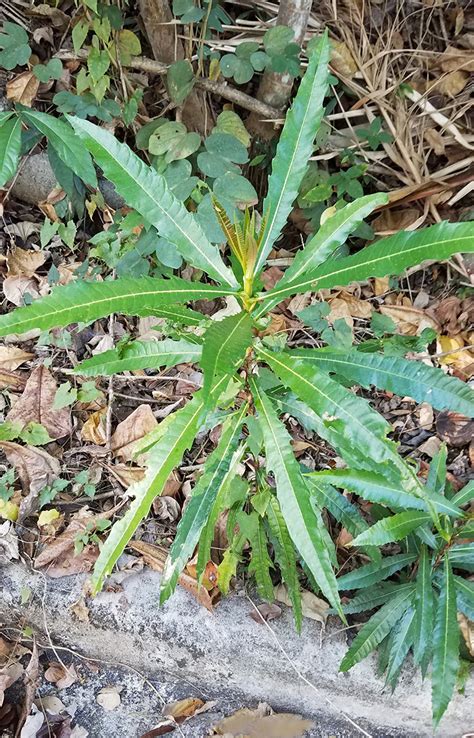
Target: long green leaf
column 295, row 147
column 436, row 480
column 374, row 597
column 445, row 662
column 401, row 376
column 350, row 415
column 65, row 143
column 465, row 596
column 465, row 495
column 285, row 557
column 163, row 459
column 401, row 642
column 388, row 256
column 225, row 344
column 331, row 234
column 392, row 529
column 180, row 315
column 214, row 477
column 86, row 301
column 260, row 562
column 140, row 355
column 377, row 628
column 424, row 605
column 294, row 497
column 147, row 191
column 10, row 146
column 370, row 574
column 338, row 505
column 462, row 556
column 376, row 488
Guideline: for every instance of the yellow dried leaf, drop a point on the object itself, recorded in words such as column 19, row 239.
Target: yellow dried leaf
column 11, row 357
column 8, row 511
column 93, row 429
column 24, row 262
column 23, row 88
column 342, row 60
column 458, row 359
column 46, row 517
column 452, row 83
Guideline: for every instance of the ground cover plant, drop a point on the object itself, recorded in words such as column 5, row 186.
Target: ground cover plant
column 253, row 383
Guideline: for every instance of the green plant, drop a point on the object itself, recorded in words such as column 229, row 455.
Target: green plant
column 251, row 380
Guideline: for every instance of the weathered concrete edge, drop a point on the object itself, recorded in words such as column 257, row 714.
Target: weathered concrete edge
column 228, row 648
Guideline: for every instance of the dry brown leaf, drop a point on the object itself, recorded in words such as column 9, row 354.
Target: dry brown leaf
column 313, row 607
column 11, row 357
column 435, row 140
column 346, row 304
column 131, row 430
column 24, row 262
column 59, row 556
column 60, row 675
column 467, row 629
column 15, row 289
column 162, row 728
column 410, row 321
column 183, row 709
column 36, row 469
column 271, row 276
column 254, row 724
column 80, row 611
column 93, row 429
column 452, row 83
column 454, row 428
column 381, row 285
column 36, row 405
column 8, row 542
column 109, row 698
column 342, row 60
column 392, row 221
column 453, row 59
column 265, row 612
column 23, row 88
column 31, row 682
column 10, row 380
column 8, row 676
column 127, row 475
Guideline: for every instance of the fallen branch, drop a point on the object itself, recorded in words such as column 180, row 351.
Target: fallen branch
column 266, row 112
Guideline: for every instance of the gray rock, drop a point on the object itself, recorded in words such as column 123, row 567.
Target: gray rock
column 227, row 656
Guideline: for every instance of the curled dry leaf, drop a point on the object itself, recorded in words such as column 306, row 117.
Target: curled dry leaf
column 23, row 88
column 93, row 429
column 24, row 262
column 8, row 676
column 36, row 469
column 59, row 556
column 109, row 698
column 313, row 607
column 126, row 474
column 183, row 709
column 467, row 629
column 11, row 357
column 60, row 675
column 258, row 723
column 131, row 430
column 342, row 60
column 162, row 728
column 454, row 428
column 10, row 380
column 36, row 405
column 410, row 321
column 16, row 288
column 8, row 543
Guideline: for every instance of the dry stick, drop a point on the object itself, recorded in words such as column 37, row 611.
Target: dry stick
column 215, row 88
column 302, row 676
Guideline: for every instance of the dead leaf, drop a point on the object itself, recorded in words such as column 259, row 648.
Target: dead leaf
column 453, row 59
column 36, row 405
column 15, row 289
column 450, row 345
column 163, row 727
column 93, row 429
column 342, row 60
column 109, row 698
column 271, row 276
column 392, row 221
column 8, row 542
column 454, row 428
column 435, row 140
column 430, row 447
column 80, row 611
column 452, row 83
column 59, row 556
column 256, row 724
column 23, row 88
column 11, row 357
column 410, row 321
column 183, row 709
column 31, row 680
column 125, row 474
column 265, row 612
column 8, row 676
column 346, row 304
column 381, row 285
column 10, row 380
column 36, row 469
column 60, row 675
column 313, row 607
column 24, row 262
column 426, row 416
column 131, row 430
column 467, row 629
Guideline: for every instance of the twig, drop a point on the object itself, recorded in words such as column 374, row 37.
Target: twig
column 215, row 88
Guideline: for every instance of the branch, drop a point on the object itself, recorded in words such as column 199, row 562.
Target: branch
column 266, row 112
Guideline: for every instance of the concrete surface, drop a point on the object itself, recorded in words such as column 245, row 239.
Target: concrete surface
column 225, row 656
